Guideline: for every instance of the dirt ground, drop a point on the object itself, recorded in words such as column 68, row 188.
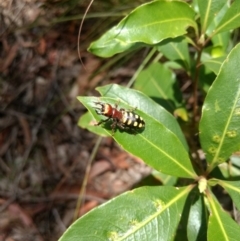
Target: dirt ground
column 44, row 155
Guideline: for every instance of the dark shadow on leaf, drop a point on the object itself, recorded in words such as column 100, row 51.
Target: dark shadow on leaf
column 167, row 104
column 181, row 233
column 131, row 131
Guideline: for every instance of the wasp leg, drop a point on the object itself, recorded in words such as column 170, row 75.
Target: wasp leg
column 113, row 126
column 120, row 125
column 132, row 109
column 102, row 121
column 128, row 128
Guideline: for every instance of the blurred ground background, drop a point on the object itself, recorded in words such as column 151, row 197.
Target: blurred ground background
column 43, row 153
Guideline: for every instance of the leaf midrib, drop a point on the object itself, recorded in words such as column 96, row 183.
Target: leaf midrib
column 219, row 219
column 160, row 22
column 226, row 23
column 170, row 157
column 231, row 187
column 206, row 16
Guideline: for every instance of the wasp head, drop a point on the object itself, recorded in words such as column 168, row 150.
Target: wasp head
column 103, row 109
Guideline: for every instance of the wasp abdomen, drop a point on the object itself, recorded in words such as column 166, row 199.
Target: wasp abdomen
column 131, row 119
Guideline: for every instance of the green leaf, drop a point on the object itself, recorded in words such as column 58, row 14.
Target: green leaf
column 217, row 19
column 221, row 227
column 166, row 180
column 109, row 44
column 197, row 226
column 235, row 161
column 150, row 23
column 233, row 189
column 146, row 213
column 151, row 144
column 219, row 125
column 222, row 40
column 159, row 83
column 227, row 171
column 176, row 50
column 231, row 19
column 214, row 64
column 86, row 121
column 208, row 10
column 172, row 65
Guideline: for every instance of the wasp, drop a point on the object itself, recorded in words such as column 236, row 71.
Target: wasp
column 124, row 119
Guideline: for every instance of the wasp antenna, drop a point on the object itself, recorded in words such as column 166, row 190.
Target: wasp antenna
column 117, row 103
column 79, row 33
column 97, row 103
column 98, row 111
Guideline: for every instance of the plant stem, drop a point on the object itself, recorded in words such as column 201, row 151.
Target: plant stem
column 84, row 184
column 195, row 89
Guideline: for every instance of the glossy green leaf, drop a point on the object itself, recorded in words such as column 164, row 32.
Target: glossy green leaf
column 227, row 171
column 231, row 19
column 176, row 50
column 194, row 4
column 86, row 122
column 214, row 64
column 151, row 144
column 235, row 160
column 150, row 23
column 166, row 180
column 172, row 65
column 208, row 10
column 197, row 220
column 221, row 226
column 233, row 189
column 219, row 125
column 159, row 83
column 146, row 213
column 109, row 44
column 222, row 40
column 217, row 19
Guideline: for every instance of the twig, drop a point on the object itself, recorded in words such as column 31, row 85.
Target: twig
column 84, row 184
